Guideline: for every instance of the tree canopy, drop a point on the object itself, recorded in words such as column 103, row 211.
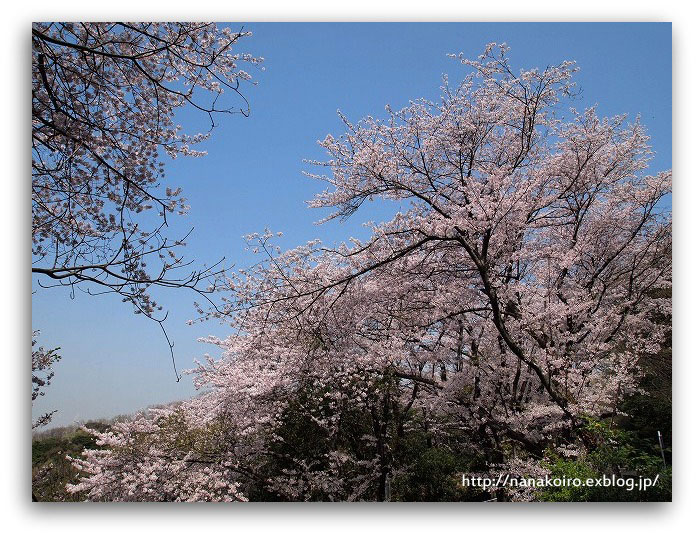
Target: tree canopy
column 485, row 327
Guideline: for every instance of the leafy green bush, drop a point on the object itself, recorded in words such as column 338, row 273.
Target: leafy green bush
column 621, row 453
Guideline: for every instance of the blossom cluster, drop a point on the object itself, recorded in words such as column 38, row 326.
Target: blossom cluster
column 512, row 301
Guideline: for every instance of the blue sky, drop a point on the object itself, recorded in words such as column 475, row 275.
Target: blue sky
column 116, row 362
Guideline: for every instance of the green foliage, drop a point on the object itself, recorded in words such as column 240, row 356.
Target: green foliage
column 433, row 473
column 51, row 471
column 619, row 453
column 422, row 466
column 301, row 437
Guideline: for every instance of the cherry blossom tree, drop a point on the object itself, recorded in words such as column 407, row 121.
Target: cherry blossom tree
column 42, row 361
column 160, row 458
column 507, row 306
column 104, row 99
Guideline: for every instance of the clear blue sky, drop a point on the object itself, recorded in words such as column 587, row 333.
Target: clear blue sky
column 116, row 362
